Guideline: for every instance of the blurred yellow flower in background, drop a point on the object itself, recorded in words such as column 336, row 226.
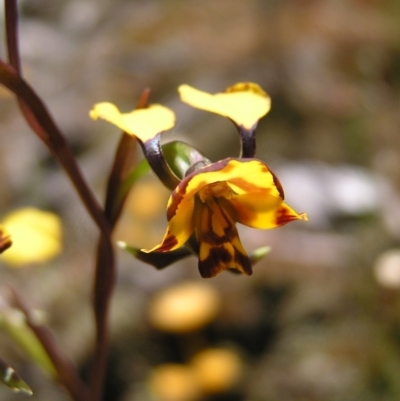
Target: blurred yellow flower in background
column 210, row 372
column 185, row 307
column 173, row 382
column 36, row 236
column 216, row 369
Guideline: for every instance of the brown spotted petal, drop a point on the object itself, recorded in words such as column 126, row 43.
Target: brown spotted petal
column 261, row 210
column 181, row 203
column 218, row 238
column 209, row 202
column 180, row 222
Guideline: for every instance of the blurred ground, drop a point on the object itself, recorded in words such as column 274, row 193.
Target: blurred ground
column 319, row 319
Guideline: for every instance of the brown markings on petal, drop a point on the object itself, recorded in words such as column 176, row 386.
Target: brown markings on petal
column 219, row 257
column 217, row 261
column 241, row 182
column 224, row 165
column 228, row 167
column 213, row 167
column 278, row 184
column 239, row 215
column 229, row 231
column 177, row 195
column 245, row 185
column 244, row 262
column 180, row 191
column 168, row 244
column 284, row 216
column 264, row 167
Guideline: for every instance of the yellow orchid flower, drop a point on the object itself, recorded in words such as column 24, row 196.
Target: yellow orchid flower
column 211, row 199
column 144, row 123
column 244, row 103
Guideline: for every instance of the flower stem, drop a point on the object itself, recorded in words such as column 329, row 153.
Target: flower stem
column 248, row 138
column 41, row 122
column 64, row 367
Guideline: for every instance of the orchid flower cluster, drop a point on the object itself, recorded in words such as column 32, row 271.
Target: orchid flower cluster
column 208, row 198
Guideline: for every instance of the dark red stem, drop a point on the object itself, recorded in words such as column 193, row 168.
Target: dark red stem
column 65, row 369
column 41, row 122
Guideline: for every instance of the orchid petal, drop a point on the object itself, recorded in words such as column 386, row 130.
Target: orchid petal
column 144, row 124
column 243, row 176
column 261, row 211
column 244, row 103
column 210, row 200
column 180, row 227
column 220, row 246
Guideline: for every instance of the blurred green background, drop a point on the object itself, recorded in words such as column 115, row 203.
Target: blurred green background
column 319, row 319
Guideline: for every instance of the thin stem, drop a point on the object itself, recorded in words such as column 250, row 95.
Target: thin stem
column 153, row 152
column 144, row 99
column 64, row 367
column 11, row 14
column 248, row 141
column 124, row 160
column 40, row 120
column 103, row 288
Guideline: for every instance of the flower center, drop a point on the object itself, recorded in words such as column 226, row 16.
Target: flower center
column 219, row 189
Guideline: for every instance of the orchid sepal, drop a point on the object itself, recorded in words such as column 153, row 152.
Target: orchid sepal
column 210, row 200
column 181, row 156
column 243, row 103
column 143, row 123
column 146, row 124
column 154, row 154
column 157, row 260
